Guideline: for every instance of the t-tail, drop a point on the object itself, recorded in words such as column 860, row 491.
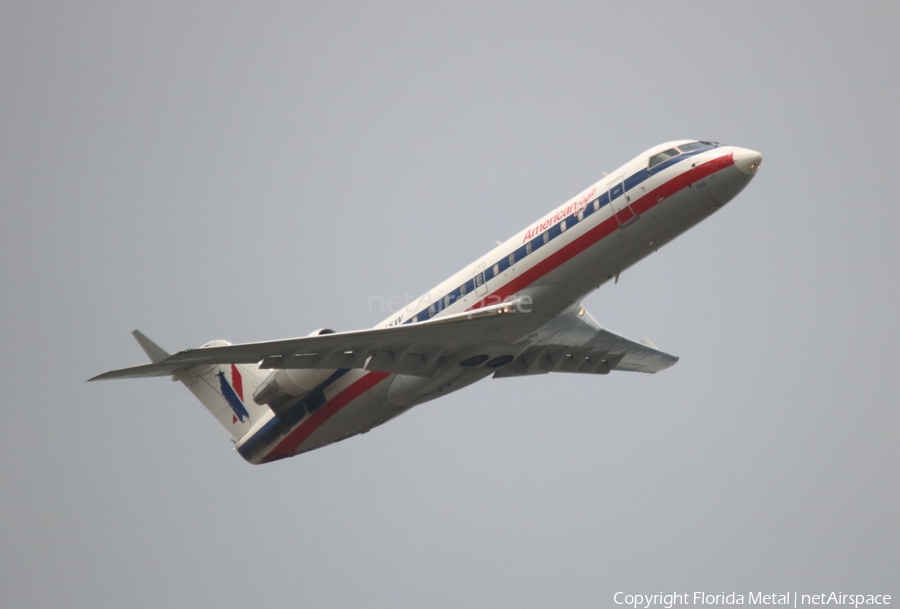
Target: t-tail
column 225, row 389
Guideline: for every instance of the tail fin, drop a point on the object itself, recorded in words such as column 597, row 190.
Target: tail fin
column 153, row 351
column 222, row 388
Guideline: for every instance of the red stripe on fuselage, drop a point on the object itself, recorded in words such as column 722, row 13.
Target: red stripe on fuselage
column 604, row 229
column 289, row 445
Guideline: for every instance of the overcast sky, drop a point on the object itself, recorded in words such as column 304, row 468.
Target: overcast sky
column 253, row 171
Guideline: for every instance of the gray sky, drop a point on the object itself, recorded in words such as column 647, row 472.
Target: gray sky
column 252, row 171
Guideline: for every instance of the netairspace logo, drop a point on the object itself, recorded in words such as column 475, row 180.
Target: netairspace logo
column 784, row 599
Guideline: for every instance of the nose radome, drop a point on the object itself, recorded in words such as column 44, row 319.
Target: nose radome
column 747, row 160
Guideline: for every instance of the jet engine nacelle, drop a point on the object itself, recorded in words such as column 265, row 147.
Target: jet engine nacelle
column 287, row 383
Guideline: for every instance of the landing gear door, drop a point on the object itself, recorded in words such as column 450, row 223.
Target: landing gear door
column 620, row 202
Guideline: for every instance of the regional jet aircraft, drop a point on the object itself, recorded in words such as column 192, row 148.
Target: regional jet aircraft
column 514, row 311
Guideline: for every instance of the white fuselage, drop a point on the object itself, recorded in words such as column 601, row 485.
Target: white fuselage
column 553, row 263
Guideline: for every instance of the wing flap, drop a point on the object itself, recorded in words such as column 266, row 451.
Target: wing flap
column 628, row 356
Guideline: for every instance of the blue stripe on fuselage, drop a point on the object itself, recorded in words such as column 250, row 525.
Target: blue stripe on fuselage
column 280, row 425
column 554, row 231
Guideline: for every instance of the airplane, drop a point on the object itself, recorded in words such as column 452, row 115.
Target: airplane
column 514, row 311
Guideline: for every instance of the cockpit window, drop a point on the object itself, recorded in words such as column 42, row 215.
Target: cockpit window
column 692, row 146
column 656, row 159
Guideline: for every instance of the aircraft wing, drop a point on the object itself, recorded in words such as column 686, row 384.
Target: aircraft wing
column 416, row 348
column 575, row 342
column 570, row 342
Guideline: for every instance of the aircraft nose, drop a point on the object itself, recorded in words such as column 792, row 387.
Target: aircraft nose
column 747, row 160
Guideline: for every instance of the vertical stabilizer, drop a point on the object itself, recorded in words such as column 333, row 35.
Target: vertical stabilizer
column 153, row 351
column 225, row 389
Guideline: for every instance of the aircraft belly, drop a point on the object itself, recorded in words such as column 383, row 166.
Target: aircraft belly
column 454, row 384
column 406, row 391
column 385, row 402
column 361, row 414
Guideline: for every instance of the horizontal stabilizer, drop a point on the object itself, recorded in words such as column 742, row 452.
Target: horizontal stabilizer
column 156, row 354
column 136, row 372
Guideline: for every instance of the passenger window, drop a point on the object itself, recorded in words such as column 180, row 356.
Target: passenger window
column 656, row 159
column 528, row 248
column 462, row 290
column 562, row 226
column 512, row 259
column 496, row 270
column 597, row 204
column 546, row 236
column 479, row 279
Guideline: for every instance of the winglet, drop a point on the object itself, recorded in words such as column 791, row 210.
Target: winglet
column 153, row 351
